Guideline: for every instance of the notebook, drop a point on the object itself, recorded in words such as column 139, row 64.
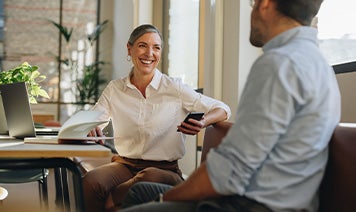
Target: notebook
column 74, row 130
column 20, row 123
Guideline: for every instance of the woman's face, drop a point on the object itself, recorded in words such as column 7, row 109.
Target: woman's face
column 146, row 52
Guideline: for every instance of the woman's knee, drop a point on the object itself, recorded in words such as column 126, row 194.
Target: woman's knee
column 91, row 182
column 105, row 177
column 152, row 174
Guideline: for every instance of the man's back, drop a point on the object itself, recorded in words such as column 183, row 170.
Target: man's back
column 284, row 122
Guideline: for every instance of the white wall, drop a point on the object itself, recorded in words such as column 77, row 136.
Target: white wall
column 106, row 38
column 123, row 24
column 231, row 80
column 239, row 54
column 127, row 14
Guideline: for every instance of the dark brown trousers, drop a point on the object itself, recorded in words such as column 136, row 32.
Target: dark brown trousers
column 113, row 180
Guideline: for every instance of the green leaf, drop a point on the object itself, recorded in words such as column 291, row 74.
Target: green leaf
column 35, row 74
column 28, row 74
column 43, row 93
column 67, row 33
column 92, row 37
column 32, row 100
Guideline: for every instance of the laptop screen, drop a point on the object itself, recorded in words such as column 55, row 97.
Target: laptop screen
column 17, row 110
column 3, row 124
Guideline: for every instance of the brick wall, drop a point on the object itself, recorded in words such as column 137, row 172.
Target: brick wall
column 29, row 36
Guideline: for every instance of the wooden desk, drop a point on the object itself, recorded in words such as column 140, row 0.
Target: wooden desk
column 15, row 154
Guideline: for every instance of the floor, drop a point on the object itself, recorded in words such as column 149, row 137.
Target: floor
column 26, row 197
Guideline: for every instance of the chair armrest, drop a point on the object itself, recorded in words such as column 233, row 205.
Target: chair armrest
column 213, row 136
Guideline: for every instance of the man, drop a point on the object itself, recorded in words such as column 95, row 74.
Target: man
column 274, row 156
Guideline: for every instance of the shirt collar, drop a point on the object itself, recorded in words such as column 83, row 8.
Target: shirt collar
column 154, row 83
column 302, row 32
column 156, row 79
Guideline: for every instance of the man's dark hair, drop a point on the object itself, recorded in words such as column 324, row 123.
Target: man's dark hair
column 302, row 11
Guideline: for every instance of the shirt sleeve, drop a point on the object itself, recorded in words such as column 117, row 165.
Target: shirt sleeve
column 264, row 112
column 103, row 103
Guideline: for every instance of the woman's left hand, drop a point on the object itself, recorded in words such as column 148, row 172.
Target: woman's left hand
column 192, row 127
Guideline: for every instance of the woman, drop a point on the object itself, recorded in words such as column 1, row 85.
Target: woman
column 145, row 108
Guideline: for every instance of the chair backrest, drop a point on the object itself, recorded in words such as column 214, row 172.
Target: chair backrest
column 213, row 136
column 338, row 188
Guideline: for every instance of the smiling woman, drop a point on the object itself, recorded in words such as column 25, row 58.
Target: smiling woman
column 144, row 49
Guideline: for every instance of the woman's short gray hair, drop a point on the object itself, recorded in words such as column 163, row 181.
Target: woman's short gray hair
column 141, row 30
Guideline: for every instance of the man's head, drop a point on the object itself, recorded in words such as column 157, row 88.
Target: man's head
column 303, row 11
column 271, row 17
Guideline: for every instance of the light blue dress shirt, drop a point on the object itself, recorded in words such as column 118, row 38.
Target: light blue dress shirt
column 276, row 151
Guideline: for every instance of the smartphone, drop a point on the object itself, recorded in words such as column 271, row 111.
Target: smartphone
column 193, row 115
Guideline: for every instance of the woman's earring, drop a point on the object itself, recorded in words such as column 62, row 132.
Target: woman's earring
column 128, row 58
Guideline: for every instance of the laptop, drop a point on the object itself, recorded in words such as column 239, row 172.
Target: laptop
column 18, row 113
column 20, row 122
column 3, row 124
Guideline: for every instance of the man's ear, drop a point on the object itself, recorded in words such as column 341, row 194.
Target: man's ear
column 264, row 4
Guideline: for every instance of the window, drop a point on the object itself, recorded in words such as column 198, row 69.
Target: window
column 183, row 40
column 29, row 35
column 337, row 33
column 181, row 55
column 337, row 36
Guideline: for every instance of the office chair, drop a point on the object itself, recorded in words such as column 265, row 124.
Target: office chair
column 25, row 176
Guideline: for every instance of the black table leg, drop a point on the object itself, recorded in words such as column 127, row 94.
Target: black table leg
column 58, row 164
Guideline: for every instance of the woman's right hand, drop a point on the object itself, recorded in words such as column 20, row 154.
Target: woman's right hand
column 96, row 132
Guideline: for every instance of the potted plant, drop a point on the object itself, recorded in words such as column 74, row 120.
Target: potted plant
column 32, row 77
column 22, row 73
column 87, row 79
column 28, row 74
